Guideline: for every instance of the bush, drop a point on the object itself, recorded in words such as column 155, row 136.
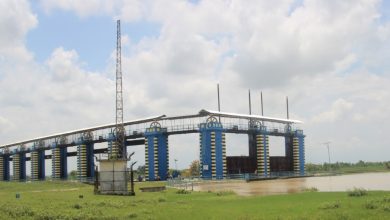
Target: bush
column 77, row 206
column 132, row 215
column 370, row 205
column 310, row 189
column 357, row 192
column 182, row 191
column 330, row 205
column 386, row 199
column 225, row 193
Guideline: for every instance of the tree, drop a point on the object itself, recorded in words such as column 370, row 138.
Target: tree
column 73, row 175
column 141, row 170
column 194, row 168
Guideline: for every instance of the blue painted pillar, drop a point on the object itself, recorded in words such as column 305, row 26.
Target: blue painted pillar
column 299, row 153
column 212, row 150
column 85, row 161
column 262, row 152
column 4, row 168
column 59, row 163
column 19, row 165
column 37, row 164
column 156, row 154
column 112, row 146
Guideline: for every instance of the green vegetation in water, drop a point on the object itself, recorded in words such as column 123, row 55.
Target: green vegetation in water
column 310, row 189
column 62, row 200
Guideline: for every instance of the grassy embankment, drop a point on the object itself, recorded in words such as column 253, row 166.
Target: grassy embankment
column 61, row 200
column 348, row 168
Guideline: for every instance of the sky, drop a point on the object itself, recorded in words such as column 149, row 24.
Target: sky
column 57, row 68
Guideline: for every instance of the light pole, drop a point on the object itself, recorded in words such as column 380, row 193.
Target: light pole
column 327, row 145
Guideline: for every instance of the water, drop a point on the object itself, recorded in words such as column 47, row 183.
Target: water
column 369, row 181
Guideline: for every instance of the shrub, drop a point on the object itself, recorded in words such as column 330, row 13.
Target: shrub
column 77, row 206
column 310, row 189
column 182, row 191
column 132, row 215
column 330, row 205
column 357, row 192
column 370, row 205
column 386, row 199
column 386, row 208
column 224, row 193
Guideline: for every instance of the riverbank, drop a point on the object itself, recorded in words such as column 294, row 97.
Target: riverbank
column 64, row 200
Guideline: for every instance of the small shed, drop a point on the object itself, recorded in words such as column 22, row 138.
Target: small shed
column 113, row 177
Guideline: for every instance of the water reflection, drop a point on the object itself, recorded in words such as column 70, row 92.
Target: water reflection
column 369, row 181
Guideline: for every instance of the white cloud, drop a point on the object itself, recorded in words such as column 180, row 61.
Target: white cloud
column 322, row 54
column 16, row 20
column 339, row 110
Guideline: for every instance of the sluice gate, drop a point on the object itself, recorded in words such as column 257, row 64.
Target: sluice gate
column 154, row 132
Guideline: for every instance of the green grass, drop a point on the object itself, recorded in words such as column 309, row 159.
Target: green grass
column 363, row 169
column 61, row 200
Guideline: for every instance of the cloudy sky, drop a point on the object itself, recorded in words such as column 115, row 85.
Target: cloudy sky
column 57, row 68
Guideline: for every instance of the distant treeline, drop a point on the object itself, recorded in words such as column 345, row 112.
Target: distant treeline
column 348, row 166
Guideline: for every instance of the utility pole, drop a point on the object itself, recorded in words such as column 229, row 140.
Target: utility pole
column 261, row 97
column 288, row 114
column 327, row 145
column 119, row 127
column 219, row 103
column 250, row 103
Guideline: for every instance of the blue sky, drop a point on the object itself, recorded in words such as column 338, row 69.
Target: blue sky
column 94, row 37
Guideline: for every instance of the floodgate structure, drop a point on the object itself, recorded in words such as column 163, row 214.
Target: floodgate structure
column 154, row 133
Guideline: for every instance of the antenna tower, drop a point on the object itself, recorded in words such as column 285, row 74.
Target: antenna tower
column 119, row 127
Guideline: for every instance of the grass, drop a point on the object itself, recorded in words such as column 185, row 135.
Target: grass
column 66, row 200
column 363, row 169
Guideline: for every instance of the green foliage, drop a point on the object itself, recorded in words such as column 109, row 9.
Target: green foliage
column 357, row 192
column 77, row 206
column 371, row 204
column 132, row 215
column 343, row 167
column 224, row 193
column 73, row 175
column 330, row 205
column 141, row 170
column 182, row 191
column 194, row 168
column 161, row 200
column 310, row 189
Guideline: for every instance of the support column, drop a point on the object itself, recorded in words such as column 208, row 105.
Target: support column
column 19, row 165
column 82, row 162
column 85, row 162
column 59, row 163
column 4, row 168
column 37, row 165
column 262, row 153
column 299, row 153
column 212, row 150
column 112, row 146
column 156, row 153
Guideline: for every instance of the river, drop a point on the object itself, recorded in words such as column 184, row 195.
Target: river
column 369, row 181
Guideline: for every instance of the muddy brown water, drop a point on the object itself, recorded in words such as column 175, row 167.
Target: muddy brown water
column 369, row 181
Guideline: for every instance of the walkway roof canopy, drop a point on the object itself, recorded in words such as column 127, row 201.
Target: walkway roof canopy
column 243, row 116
